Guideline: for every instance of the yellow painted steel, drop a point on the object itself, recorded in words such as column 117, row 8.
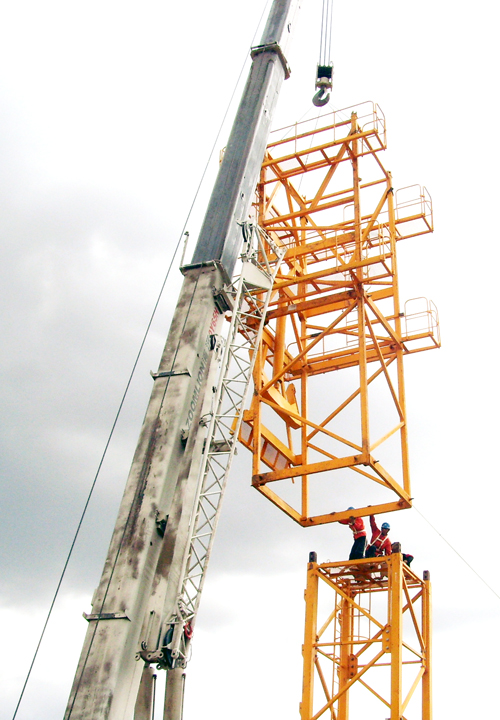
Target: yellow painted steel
column 368, row 655
column 326, row 197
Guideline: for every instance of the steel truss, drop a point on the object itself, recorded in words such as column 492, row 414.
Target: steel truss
column 326, row 199
column 246, row 301
column 369, row 643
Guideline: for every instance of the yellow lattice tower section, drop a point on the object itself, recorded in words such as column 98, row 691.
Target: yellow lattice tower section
column 376, row 640
column 316, row 437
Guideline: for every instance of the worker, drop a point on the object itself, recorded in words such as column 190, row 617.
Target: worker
column 358, row 529
column 396, row 548
column 380, row 543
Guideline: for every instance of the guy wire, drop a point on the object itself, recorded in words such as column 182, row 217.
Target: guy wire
column 131, row 375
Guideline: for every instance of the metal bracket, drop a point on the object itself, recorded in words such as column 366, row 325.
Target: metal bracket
column 154, row 656
column 275, row 48
column 106, row 616
column 169, row 373
column 223, row 301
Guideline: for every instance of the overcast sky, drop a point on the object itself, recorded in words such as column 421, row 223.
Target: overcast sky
column 108, row 112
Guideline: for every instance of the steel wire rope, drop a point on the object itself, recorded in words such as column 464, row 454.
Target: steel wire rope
column 325, row 46
column 330, row 30
column 322, row 33
column 128, row 383
column 310, row 146
column 456, row 552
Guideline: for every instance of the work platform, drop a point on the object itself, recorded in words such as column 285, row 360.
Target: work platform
column 367, row 643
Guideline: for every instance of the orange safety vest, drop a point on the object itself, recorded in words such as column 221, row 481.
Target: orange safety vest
column 379, row 543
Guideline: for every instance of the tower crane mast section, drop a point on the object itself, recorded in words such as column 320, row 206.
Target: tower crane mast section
column 326, row 198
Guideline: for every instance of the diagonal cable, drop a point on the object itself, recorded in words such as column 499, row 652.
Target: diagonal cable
column 127, row 386
column 457, row 553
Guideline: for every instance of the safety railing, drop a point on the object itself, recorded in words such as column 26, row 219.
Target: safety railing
column 369, row 116
column 420, row 325
column 413, row 210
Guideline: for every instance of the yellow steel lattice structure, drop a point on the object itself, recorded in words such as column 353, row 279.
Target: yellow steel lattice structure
column 367, row 641
column 325, row 196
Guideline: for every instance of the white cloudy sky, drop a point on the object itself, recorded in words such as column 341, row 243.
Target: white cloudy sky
column 108, row 111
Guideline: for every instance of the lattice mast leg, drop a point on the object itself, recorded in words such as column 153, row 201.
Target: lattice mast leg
column 427, row 632
column 310, row 638
column 395, row 634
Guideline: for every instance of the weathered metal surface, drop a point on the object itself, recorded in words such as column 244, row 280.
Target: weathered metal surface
column 108, row 676
column 235, row 185
column 174, row 696
column 145, row 556
column 144, row 704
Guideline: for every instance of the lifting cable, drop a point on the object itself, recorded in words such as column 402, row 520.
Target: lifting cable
column 456, row 552
column 324, row 71
column 131, row 375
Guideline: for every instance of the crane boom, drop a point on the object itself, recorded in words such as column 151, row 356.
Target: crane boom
column 151, row 534
column 235, row 185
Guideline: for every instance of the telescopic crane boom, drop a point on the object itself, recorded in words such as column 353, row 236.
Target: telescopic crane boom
column 143, row 569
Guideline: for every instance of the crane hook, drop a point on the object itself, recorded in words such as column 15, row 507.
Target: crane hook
column 321, row 97
column 323, row 84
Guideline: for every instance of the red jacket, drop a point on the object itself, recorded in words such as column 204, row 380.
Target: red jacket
column 358, row 527
column 381, row 542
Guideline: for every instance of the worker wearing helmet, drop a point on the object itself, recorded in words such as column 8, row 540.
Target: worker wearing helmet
column 380, row 543
column 358, row 528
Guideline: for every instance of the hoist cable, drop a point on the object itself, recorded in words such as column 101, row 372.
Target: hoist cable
column 456, row 552
column 322, row 33
column 132, row 373
column 326, row 33
column 325, row 47
column 330, row 26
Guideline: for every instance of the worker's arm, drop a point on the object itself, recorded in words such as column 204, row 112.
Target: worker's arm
column 388, row 547
column 373, row 524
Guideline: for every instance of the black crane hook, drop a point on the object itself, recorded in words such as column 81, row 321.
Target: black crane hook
column 323, row 85
column 321, row 97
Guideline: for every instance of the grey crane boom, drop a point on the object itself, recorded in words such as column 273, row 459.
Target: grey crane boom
column 240, row 168
column 145, row 558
